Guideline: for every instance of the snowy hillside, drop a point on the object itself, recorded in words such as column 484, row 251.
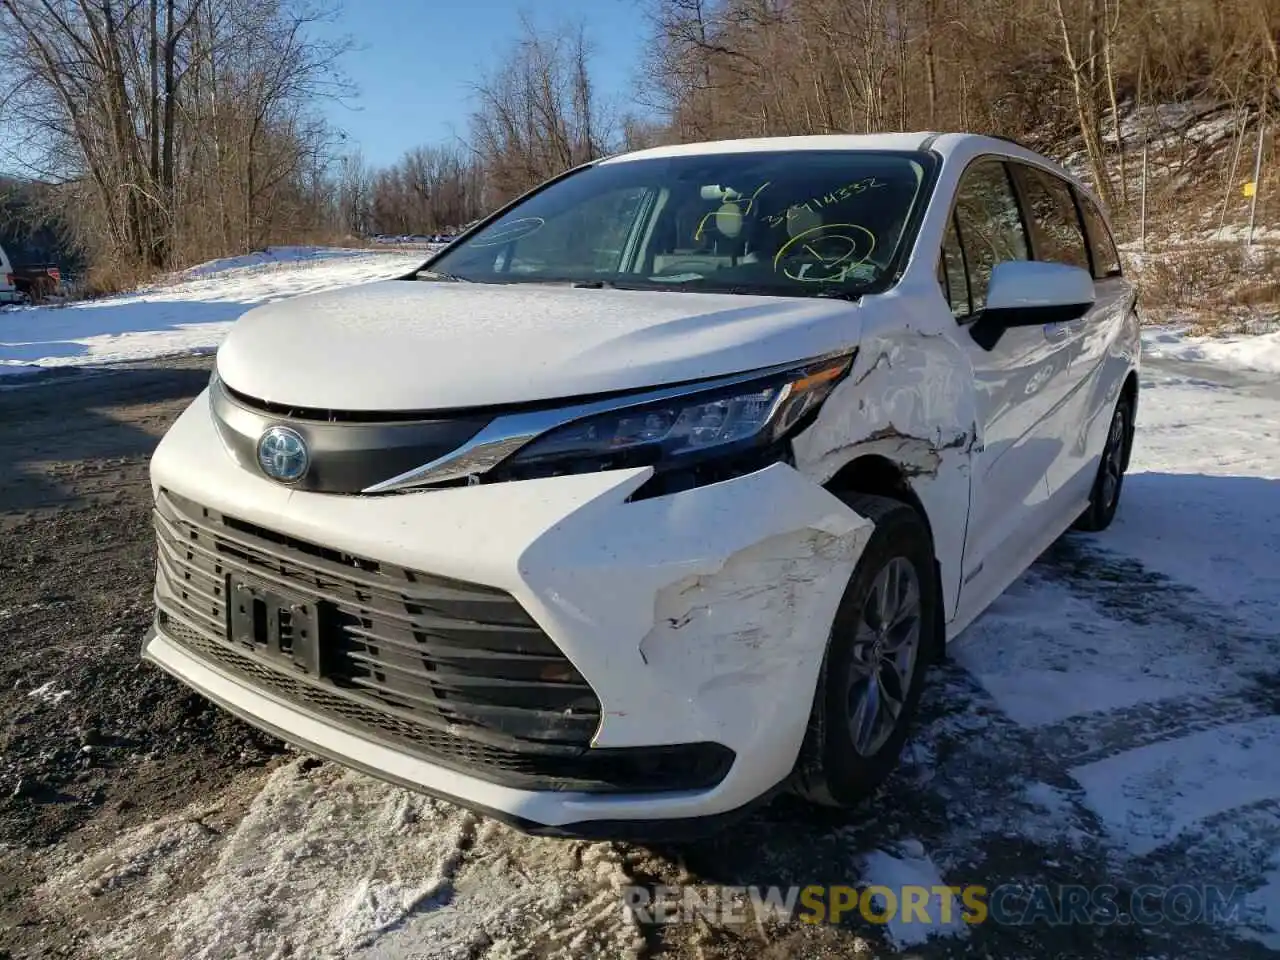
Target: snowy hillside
column 189, row 313
column 1260, row 352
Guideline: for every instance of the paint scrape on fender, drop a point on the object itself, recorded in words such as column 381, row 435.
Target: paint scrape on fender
column 909, row 401
column 878, row 411
column 735, row 625
column 916, row 456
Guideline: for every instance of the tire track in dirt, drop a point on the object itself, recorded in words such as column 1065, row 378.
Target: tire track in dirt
column 124, row 744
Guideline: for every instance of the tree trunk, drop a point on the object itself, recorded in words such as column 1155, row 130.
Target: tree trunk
column 153, row 111
column 930, row 64
column 1110, row 29
column 1086, row 110
column 167, row 172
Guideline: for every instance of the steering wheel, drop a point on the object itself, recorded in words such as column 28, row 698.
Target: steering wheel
column 825, row 253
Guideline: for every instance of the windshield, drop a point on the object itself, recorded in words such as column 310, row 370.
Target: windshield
column 794, row 223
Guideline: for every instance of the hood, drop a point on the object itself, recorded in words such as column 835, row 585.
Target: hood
column 420, row 345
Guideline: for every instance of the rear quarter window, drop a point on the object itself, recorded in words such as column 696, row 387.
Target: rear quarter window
column 1055, row 222
column 1106, row 258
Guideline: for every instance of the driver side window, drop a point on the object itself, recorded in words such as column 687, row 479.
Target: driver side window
column 989, row 223
column 588, row 238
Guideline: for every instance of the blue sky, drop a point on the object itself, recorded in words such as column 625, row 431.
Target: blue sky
column 417, row 61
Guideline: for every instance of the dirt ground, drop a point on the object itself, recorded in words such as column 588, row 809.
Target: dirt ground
column 94, row 743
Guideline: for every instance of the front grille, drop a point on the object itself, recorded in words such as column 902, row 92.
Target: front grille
column 349, row 452
column 321, row 414
column 454, row 672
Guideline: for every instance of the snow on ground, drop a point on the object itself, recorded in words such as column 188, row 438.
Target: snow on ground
column 189, row 313
column 1266, row 902
column 1210, row 772
column 337, row 865
column 1143, row 659
column 49, row 692
column 1259, row 352
column 912, row 868
column 16, row 369
column 1210, row 457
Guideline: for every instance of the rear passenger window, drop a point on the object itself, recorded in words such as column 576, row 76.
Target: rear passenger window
column 1055, row 221
column 990, row 225
column 1106, row 258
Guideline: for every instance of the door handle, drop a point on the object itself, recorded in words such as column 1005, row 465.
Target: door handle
column 1057, row 332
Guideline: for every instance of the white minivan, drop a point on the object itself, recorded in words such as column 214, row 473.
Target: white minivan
column 8, row 289
column 657, row 491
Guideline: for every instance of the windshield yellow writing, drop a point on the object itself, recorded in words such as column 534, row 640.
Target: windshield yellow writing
column 825, row 254
column 830, row 198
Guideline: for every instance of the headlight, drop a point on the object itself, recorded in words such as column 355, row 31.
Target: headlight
column 740, row 426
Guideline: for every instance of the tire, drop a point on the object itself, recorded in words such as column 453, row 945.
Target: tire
column 844, row 760
column 1104, row 499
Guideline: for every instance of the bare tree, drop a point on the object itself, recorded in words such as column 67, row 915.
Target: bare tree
column 1082, row 66
column 537, row 113
column 1054, row 73
column 188, row 127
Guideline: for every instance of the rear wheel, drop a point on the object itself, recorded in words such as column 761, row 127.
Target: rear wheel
column 1107, row 485
column 41, row 288
column 883, row 638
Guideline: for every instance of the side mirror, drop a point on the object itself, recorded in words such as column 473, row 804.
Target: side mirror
column 1032, row 293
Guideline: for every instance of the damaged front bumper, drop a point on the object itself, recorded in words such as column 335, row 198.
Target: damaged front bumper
column 696, row 618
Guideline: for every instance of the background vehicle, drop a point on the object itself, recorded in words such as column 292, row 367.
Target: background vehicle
column 27, row 282
column 8, row 292
column 659, row 490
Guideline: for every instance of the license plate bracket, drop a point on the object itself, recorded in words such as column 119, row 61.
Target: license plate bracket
column 279, row 624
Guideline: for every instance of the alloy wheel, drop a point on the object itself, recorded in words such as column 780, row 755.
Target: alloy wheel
column 886, row 648
column 1113, row 460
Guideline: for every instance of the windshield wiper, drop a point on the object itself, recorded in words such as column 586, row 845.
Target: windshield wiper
column 780, row 291
column 595, row 284
column 440, row 277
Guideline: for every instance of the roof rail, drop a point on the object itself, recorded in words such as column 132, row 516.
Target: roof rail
column 1015, row 142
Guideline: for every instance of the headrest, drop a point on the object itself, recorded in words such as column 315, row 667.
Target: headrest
column 728, row 220
column 802, row 220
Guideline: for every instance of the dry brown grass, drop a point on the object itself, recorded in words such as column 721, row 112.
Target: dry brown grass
column 110, row 278
column 1216, row 287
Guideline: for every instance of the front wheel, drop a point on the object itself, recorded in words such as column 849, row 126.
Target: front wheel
column 883, row 638
column 1105, row 497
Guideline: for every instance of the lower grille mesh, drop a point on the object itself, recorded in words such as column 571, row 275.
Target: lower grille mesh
column 453, row 672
